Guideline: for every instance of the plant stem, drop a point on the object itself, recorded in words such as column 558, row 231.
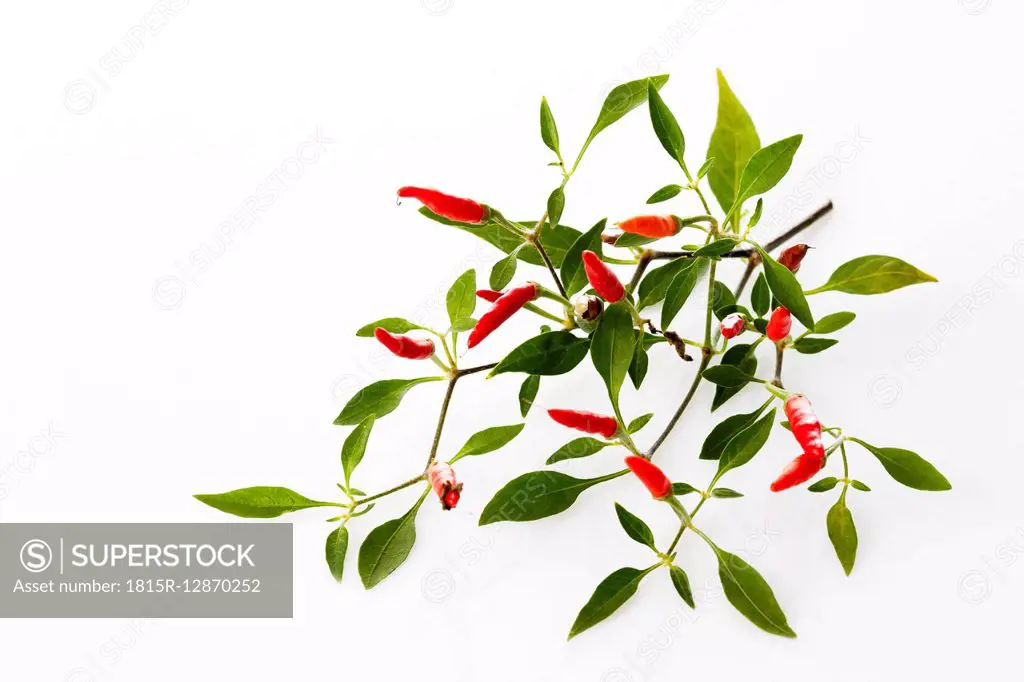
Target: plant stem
column 779, row 354
column 385, row 493
column 641, row 267
column 705, row 360
column 473, row 370
column 551, row 267
column 441, row 418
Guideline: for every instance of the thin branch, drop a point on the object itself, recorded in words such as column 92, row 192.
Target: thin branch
column 779, row 354
column 705, row 360
column 440, row 420
column 641, row 267
column 385, row 493
column 474, row 370
column 551, row 267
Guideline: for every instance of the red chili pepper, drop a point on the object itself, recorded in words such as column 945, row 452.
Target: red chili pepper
column 503, row 308
column 405, row 346
column 793, row 256
column 651, row 476
column 798, row 471
column 601, row 277
column 442, row 480
column 653, row 226
column 587, row 422
column 453, row 208
column 805, row 425
column 733, row 325
column 489, row 295
column 779, row 324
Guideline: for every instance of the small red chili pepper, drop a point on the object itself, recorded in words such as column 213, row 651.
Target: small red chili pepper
column 601, row 277
column 793, row 256
column 503, row 308
column 651, row 476
column 453, row 208
column 733, row 325
column 489, row 295
column 798, row 471
column 405, row 346
column 653, row 226
column 442, row 480
column 587, row 422
column 805, row 425
column 779, row 324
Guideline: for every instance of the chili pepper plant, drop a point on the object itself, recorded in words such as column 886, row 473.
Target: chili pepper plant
column 610, row 295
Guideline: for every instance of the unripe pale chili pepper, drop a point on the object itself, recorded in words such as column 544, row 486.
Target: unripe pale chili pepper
column 653, row 226
column 793, row 256
column 504, row 307
column 442, row 480
column 800, row 470
column 588, row 308
column 453, row 208
column 805, row 425
column 651, row 476
column 779, row 324
column 601, row 277
column 405, row 346
column 733, row 325
column 489, row 295
column 588, row 422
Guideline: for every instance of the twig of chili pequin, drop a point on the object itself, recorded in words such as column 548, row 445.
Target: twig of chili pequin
column 453, row 208
column 442, row 480
column 652, row 226
column 779, row 324
column 503, row 308
column 793, row 256
column 651, row 476
column 405, row 346
column 601, row 277
column 588, row 422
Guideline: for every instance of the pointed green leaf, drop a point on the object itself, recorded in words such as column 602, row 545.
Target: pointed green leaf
column 488, row 440
column 680, row 288
column 395, row 325
column 751, row 595
column 612, row 346
column 634, row 526
column 612, row 593
column 463, row 324
column 733, row 142
column 717, row 248
column 755, row 217
column 786, row 289
column 727, row 376
column 655, row 285
column 859, row 485
column 388, row 546
column 664, row 194
column 725, row 493
column 261, row 502
column 742, row 356
column 574, row 277
column 869, row 275
column 833, row 323
column 760, row 296
column 706, row 168
column 537, row 495
column 504, row 270
column 461, row 298
column 725, row 431
column 811, row 345
column 378, row 399
column 355, row 447
column 746, row 444
column 576, row 448
column 528, row 393
column 549, row 354
column 337, row 546
column 638, row 365
column 908, row 467
column 823, row 485
column 843, row 533
column 556, row 204
column 681, row 582
column 619, row 102
column 767, row 167
column 665, row 126
column 639, row 423
column 679, row 489
column 548, row 129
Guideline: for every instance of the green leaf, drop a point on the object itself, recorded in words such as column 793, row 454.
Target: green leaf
column 639, row 423
column 612, row 593
column 538, row 495
column 823, row 485
column 742, row 356
column 337, row 546
column 665, row 126
column 388, row 546
column 638, row 365
column 859, row 485
column 488, row 440
column 746, row 444
column 395, row 325
column 724, row 300
column 682, row 584
column 612, row 346
column 843, row 533
column 833, row 323
column 750, row 594
column 810, row 345
column 733, row 142
column 869, row 275
column 548, row 129
column 679, row 489
column 725, row 493
column 261, row 502
column 619, row 102
column 680, row 288
column 355, row 447
column 556, row 204
column 755, row 217
column 579, row 447
column 635, row 527
column 504, row 270
column 378, row 399
column 717, row 248
column 549, row 354
column 461, row 298
column 574, row 276
column 725, row 431
column 726, row 375
column 760, row 296
column 706, row 168
column 463, row 324
column 629, row 240
column 655, row 285
column 908, row 467
column 786, row 289
column 528, row 393
column 767, row 167
column 664, row 194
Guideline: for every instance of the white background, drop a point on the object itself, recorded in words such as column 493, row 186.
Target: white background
column 229, row 375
